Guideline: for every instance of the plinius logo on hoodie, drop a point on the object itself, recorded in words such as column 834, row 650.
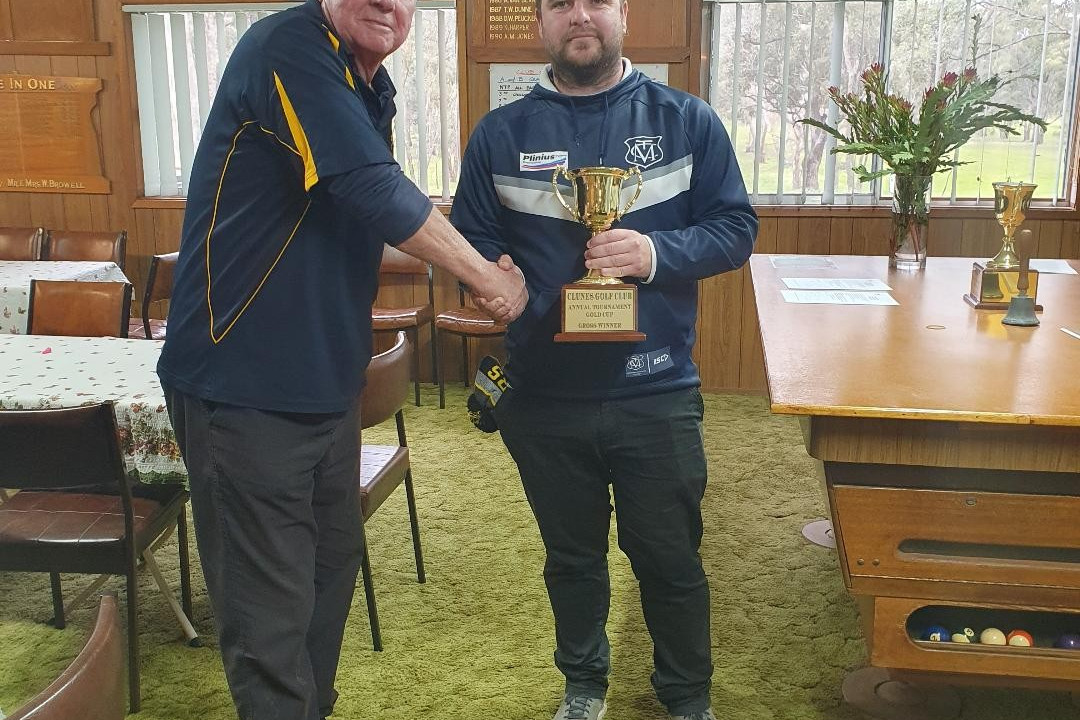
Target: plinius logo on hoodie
column 540, row 161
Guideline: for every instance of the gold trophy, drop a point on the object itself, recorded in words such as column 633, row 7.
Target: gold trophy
column 596, row 308
column 996, row 281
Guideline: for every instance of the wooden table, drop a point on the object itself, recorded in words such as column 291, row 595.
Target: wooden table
column 950, row 451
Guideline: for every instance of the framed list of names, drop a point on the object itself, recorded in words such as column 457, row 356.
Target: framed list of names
column 50, row 143
column 511, row 23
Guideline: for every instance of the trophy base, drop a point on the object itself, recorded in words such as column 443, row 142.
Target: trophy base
column 599, row 313
column 993, row 288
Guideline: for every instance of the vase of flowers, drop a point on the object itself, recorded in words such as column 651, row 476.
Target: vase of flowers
column 913, row 149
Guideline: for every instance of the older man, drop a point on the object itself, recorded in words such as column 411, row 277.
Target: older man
column 293, row 192
column 586, row 422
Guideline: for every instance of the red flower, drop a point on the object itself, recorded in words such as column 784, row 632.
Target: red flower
column 950, row 79
column 872, row 72
column 969, row 74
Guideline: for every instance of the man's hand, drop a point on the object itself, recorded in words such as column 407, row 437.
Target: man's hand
column 505, row 297
column 620, row 253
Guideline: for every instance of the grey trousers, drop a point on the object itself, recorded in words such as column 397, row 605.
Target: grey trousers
column 650, row 451
column 280, row 536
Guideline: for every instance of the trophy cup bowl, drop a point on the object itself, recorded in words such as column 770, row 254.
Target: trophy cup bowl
column 597, row 308
column 597, row 191
column 1011, row 201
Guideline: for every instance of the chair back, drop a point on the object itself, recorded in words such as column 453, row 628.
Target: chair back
column 93, row 685
column 47, row 449
column 387, row 384
column 159, row 284
column 20, row 243
column 81, row 309
column 87, row 245
column 396, row 262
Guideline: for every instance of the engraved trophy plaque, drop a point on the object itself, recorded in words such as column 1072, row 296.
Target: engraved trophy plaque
column 597, row 308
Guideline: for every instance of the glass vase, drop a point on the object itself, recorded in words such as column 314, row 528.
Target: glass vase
column 910, row 220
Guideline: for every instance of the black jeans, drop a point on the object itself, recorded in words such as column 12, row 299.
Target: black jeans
column 650, row 451
column 280, row 535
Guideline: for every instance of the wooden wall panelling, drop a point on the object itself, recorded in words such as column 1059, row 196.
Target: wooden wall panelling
column 946, row 237
column 840, row 235
column 98, row 204
column 145, row 221
column 1048, row 240
column 5, row 20
column 813, row 235
column 1070, row 239
column 52, row 19
column 870, row 236
column 719, row 345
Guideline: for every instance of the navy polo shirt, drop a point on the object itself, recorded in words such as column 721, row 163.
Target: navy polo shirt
column 293, row 192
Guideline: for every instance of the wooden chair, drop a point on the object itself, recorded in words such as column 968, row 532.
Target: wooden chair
column 86, row 245
column 384, row 467
column 83, row 309
column 465, row 322
column 159, row 285
column 21, row 243
column 77, row 511
column 410, row 318
column 92, row 686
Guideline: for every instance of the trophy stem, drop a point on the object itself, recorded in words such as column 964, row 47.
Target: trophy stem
column 1006, row 258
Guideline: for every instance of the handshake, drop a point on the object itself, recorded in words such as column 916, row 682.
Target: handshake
column 502, row 295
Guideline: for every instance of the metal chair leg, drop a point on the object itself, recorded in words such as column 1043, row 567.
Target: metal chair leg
column 414, row 521
column 58, row 621
column 414, row 337
column 434, row 354
column 369, row 591
column 134, row 700
column 465, row 360
column 440, row 376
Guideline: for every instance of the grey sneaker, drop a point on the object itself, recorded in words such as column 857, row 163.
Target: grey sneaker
column 701, row 715
column 579, row 707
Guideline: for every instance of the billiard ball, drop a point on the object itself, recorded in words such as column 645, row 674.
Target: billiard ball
column 960, row 637
column 992, row 636
column 970, row 634
column 1068, row 641
column 1020, row 638
column 936, row 633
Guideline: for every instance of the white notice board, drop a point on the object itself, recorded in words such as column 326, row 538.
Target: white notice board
column 512, row 81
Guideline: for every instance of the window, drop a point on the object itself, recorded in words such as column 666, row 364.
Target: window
column 772, row 60
column 181, row 51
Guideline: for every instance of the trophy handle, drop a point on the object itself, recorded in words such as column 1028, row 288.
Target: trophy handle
column 634, row 170
column 555, row 176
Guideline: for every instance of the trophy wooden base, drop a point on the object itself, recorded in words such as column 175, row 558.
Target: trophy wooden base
column 599, row 313
column 993, row 288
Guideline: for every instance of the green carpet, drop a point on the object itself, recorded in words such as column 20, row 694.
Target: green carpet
column 475, row 642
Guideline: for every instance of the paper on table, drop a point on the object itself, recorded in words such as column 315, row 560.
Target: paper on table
column 838, row 297
column 1052, row 266
column 804, row 283
column 801, row 261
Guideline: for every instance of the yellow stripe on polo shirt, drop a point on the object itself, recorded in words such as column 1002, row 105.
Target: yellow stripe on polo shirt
column 311, row 173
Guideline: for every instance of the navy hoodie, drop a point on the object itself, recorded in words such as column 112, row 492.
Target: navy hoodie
column 693, row 207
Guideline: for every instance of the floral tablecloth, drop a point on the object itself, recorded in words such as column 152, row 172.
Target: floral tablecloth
column 15, row 276
column 41, row 371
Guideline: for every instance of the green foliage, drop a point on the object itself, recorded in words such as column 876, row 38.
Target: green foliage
column 951, row 112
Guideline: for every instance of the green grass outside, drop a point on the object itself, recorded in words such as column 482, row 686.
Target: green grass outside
column 991, row 161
